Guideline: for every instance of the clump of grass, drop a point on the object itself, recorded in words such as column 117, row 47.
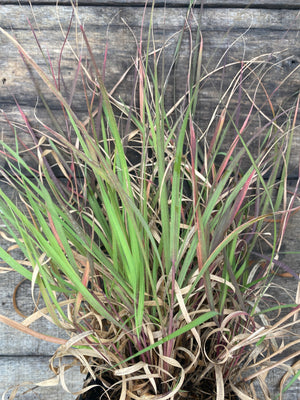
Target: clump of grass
column 144, row 240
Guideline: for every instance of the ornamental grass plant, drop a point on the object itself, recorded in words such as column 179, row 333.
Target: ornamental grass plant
column 153, row 242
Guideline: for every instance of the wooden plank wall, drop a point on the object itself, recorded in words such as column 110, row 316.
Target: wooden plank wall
column 255, row 27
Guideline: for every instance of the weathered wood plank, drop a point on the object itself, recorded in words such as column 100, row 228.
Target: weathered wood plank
column 24, row 358
column 15, row 370
column 287, row 4
column 16, row 303
column 272, row 384
column 13, row 342
column 271, row 32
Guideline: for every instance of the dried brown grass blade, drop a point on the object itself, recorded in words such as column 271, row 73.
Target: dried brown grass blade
column 29, row 331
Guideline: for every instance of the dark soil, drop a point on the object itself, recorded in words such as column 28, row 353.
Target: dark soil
column 98, row 393
column 95, row 393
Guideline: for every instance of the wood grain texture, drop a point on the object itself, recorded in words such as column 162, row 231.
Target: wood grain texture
column 34, row 370
column 224, row 32
column 267, row 4
column 15, row 342
column 274, row 29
